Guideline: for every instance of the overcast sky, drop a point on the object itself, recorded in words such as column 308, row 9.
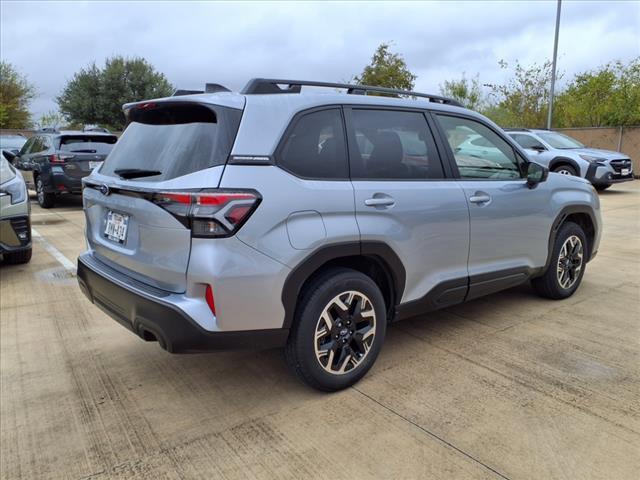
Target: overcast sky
column 228, row 43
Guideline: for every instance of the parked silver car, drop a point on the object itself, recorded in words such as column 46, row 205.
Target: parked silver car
column 15, row 211
column 273, row 217
column 565, row 155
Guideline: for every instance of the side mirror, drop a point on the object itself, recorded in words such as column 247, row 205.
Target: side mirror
column 536, row 173
column 9, row 155
column 538, row 148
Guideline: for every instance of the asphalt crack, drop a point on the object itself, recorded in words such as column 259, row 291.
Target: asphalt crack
column 433, row 435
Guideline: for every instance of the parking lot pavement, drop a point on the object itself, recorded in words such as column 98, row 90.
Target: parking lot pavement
column 509, row 386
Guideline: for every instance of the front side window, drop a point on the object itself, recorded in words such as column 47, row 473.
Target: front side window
column 393, row 145
column 527, row 141
column 315, row 147
column 479, row 152
column 26, row 148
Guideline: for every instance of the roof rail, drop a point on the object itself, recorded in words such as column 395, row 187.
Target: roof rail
column 270, row 85
column 516, row 129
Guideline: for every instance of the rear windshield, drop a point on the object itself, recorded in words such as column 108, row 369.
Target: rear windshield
column 77, row 146
column 72, row 141
column 174, row 139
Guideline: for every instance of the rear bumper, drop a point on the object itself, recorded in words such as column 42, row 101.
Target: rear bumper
column 62, row 183
column 145, row 313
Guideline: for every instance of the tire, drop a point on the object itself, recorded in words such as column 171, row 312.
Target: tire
column 561, row 279
column 565, row 169
column 346, row 351
column 602, row 188
column 45, row 200
column 14, row 258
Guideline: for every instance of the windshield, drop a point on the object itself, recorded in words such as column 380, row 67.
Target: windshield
column 12, row 142
column 174, row 140
column 559, row 140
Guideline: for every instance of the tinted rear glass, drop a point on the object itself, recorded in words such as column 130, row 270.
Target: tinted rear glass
column 174, row 139
column 81, row 146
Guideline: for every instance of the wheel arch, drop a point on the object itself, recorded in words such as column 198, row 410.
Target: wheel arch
column 557, row 161
column 377, row 260
column 579, row 214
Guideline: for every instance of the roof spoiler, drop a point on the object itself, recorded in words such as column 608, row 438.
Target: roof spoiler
column 208, row 88
column 273, row 86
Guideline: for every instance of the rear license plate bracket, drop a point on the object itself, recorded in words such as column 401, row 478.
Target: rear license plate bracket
column 116, row 227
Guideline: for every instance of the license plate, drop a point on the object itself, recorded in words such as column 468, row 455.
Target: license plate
column 116, row 227
column 624, row 171
column 93, row 165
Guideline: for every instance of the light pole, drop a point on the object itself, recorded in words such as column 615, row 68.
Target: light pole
column 553, row 71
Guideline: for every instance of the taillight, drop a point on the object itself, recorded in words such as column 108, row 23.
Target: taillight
column 210, row 214
column 59, row 158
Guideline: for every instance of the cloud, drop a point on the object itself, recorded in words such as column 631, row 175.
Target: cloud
column 228, row 43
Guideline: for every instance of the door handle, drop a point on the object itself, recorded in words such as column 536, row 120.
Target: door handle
column 380, row 202
column 480, row 197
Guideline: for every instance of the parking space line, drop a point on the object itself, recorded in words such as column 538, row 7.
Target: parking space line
column 53, row 251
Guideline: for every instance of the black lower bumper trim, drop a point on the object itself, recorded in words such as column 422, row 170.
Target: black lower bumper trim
column 606, row 181
column 15, row 234
column 172, row 328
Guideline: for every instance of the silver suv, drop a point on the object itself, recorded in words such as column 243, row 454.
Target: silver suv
column 310, row 221
column 567, row 156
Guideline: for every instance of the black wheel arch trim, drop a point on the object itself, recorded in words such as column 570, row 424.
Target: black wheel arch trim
column 323, row 255
column 560, row 160
column 557, row 223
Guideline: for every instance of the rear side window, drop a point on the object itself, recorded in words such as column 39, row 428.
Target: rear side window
column 393, row 145
column 315, row 146
column 174, row 139
column 38, row 145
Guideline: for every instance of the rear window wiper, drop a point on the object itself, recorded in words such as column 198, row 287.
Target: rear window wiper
column 127, row 173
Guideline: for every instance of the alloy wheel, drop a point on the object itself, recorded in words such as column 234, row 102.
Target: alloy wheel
column 570, row 261
column 345, row 332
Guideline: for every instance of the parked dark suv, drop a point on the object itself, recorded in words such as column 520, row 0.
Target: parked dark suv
column 55, row 163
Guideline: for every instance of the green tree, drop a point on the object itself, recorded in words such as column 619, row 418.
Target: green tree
column 386, row 69
column 52, row 119
column 96, row 95
column 80, row 99
column 523, row 100
column 15, row 94
column 467, row 91
column 606, row 96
